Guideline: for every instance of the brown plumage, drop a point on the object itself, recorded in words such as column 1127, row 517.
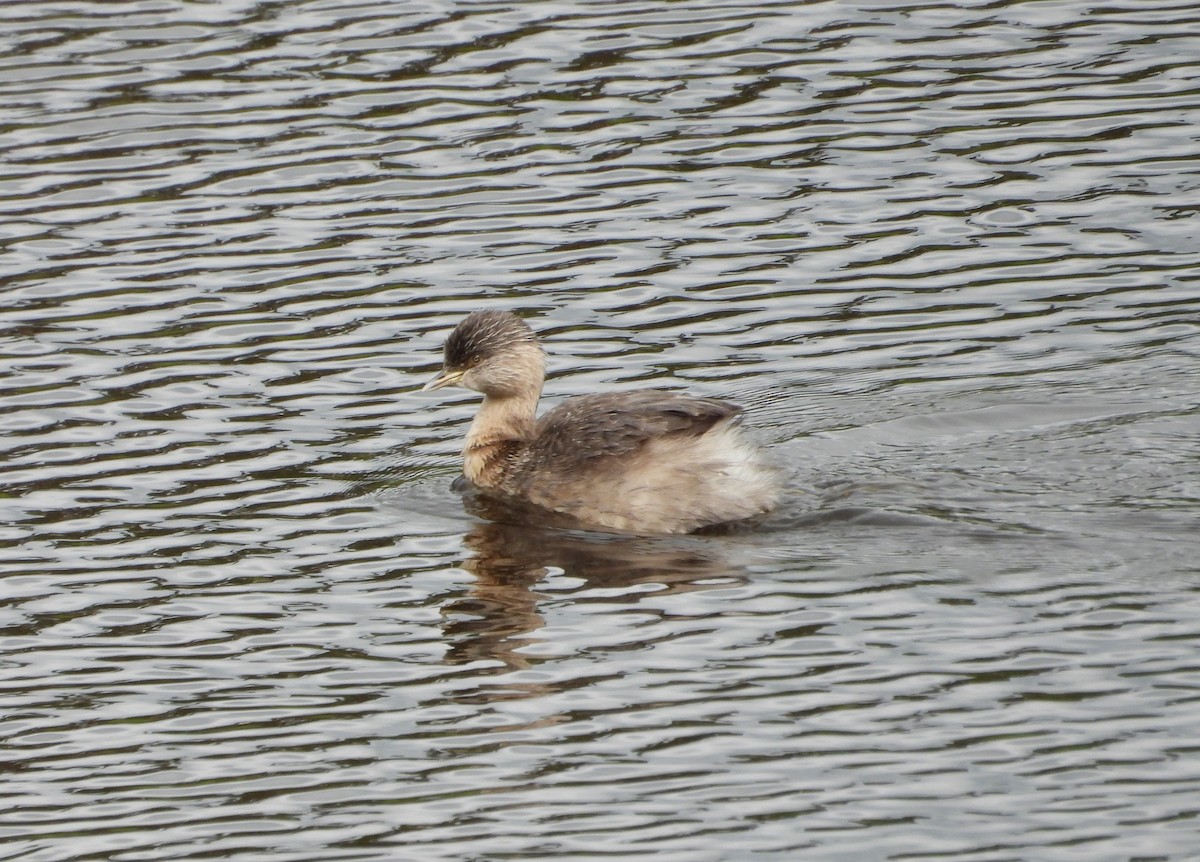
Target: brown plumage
column 645, row 461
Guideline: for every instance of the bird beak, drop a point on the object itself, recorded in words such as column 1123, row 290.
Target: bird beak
column 446, row 378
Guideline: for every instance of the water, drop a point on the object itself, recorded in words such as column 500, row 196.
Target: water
column 947, row 255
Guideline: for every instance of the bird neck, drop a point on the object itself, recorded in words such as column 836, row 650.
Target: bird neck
column 500, row 426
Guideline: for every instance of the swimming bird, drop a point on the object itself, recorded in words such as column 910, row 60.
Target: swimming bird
column 643, row 461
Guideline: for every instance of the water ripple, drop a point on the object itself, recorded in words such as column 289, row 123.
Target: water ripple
column 944, row 253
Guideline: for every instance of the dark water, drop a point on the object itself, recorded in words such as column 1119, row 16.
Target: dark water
column 946, row 252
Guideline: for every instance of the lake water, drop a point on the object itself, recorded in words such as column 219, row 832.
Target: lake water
column 946, row 254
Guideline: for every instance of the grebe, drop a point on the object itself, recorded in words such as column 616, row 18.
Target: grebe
column 645, row 461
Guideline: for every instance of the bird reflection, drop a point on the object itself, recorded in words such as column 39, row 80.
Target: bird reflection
column 515, row 549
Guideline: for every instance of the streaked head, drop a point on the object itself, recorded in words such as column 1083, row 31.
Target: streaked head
column 493, row 352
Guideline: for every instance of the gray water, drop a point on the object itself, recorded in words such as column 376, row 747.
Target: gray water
column 946, row 254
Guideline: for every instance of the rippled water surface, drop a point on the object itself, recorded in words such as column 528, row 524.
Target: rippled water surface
column 946, row 253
